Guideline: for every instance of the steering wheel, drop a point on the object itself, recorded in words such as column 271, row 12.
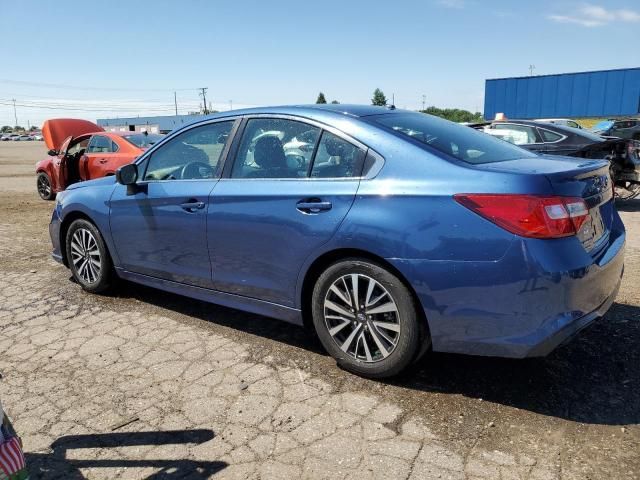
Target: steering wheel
column 193, row 170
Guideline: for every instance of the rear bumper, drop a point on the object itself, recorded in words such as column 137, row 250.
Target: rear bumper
column 539, row 295
column 571, row 329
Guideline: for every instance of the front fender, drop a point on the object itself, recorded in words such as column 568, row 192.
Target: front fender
column 94, row 204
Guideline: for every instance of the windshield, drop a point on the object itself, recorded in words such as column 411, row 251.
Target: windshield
column 458, row 141
column 601, row 126
column 143, row 140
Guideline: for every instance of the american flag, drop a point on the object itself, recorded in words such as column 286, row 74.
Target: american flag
column 11, row 458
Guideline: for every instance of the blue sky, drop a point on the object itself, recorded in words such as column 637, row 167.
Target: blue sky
column 109, row 58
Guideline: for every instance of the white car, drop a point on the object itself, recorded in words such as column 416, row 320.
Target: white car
column 567, row 122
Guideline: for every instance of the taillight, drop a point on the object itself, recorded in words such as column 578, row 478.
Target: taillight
column 529, row 215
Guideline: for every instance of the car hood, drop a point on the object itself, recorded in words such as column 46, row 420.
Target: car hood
column 103, row 181
column 57, row 130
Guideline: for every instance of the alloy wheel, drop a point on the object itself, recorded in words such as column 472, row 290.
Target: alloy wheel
column 85, row 255
column 44, row 187
column 362, row 317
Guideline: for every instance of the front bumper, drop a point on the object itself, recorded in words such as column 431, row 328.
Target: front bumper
column 54, row 233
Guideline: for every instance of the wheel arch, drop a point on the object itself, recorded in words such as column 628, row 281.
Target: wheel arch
column 323, row 261
column 64, row 227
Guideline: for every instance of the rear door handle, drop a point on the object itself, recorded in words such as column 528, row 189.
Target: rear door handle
column 313, row 206
column 192, row 205
column 103, row 160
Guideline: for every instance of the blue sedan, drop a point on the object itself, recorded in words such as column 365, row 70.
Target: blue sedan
column 388, row 232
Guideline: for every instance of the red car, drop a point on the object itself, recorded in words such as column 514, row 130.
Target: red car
column 81, row 150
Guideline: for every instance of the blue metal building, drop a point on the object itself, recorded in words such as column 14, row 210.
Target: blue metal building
column 602, row 93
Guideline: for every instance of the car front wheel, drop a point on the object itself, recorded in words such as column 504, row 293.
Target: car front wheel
column 366, row 318
column 88, row 257
column 43, row 184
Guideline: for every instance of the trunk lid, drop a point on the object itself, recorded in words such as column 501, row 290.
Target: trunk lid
column 56, row 130
column 591, row 182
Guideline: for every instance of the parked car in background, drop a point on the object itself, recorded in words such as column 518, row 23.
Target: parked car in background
column 5, row 137
column 623, row 155
column 14, row 137
column 12, row 462
column 567, row 122
column 627, row 128
column 25, row 138
column 37, row 136
column 398, row 232
column 81, row 150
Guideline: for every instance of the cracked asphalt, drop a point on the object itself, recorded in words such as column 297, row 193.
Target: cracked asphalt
column 143, row 384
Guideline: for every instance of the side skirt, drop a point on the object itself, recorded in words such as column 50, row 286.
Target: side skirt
column 252, row 305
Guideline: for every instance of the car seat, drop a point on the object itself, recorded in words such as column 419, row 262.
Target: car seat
column 269, row 155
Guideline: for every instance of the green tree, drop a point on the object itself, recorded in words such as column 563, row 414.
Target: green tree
column 455, row 114
column 321, row 98
column 378, row 98
column 33, row 128
column 18, row 128
column 335, row 102
column 5, row 129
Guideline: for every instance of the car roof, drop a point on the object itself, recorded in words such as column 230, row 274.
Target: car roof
column 313, row 110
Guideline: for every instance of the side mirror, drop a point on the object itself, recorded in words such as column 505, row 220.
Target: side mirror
column 128, row 175
column 53, row 153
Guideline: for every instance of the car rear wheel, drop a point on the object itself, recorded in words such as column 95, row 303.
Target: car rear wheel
column 88, row 257
column 366, row 318
column 43, row 184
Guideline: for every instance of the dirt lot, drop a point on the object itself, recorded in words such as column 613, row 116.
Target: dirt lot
column 91, row 382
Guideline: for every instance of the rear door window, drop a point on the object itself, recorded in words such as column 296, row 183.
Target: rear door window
column 100, row 144
column 275, row 148
column 337, row 158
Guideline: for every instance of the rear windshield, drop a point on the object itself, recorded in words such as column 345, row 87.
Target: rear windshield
column 143, row 140
column 458, row 141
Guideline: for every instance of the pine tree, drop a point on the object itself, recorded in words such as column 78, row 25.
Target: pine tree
column 378, row 98
column 321, row 98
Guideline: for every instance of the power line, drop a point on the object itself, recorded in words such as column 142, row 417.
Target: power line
column 77, row 87
column 93, row 109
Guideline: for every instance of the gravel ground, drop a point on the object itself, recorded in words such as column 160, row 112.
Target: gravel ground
column 145, row 384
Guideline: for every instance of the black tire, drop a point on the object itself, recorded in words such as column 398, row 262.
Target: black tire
column 43, row 185
column 88, row 257
column 362, row 359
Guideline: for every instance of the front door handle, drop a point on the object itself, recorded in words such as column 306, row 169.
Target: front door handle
column 192, row 205
column 313, row 205
column 103, row 160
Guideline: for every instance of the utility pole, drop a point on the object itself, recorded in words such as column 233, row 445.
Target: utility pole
column 203, row 93
column 175, row 101
column 531, row 69
column 424, row 102
column 393, row 99
column 15, row 115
